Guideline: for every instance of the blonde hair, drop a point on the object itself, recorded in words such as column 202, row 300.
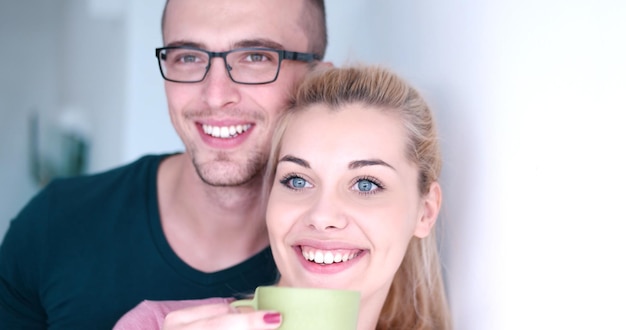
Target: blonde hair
column 416, row 299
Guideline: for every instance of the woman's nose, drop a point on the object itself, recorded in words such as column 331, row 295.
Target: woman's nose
column 327, row 213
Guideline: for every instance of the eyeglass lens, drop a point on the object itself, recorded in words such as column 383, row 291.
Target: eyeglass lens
column 243, row 65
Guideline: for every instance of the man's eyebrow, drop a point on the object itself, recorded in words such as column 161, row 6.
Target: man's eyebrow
column 293, row 159
column 368, row 162
column 259, row 42
column 185, row 43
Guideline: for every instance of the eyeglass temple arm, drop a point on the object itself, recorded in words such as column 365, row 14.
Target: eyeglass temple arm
column 304, row 57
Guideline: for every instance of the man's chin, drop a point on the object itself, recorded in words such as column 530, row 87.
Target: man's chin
column 218, row 176
column 224, row 171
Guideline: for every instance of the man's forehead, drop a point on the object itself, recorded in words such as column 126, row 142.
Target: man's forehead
column 227, row 24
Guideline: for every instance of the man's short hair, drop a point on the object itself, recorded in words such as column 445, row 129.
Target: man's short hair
column 314, row 24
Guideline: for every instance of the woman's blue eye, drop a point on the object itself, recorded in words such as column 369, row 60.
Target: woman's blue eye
column 365, row 185
column 298, row 182
column 295, row 182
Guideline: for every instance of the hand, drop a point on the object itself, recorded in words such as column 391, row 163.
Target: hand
column 221, row 316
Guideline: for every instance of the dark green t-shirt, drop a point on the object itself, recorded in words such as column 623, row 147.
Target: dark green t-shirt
column 86, row 250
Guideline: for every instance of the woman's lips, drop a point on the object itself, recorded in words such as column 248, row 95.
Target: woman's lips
column 323, row 256
column 327, row 261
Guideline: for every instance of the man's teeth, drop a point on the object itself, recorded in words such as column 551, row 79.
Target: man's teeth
column 225, row 132
column 327, row 257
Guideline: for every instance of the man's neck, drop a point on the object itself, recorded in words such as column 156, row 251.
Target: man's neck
column 210, row 228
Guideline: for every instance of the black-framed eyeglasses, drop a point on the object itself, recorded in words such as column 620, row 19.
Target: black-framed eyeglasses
column 250, row 66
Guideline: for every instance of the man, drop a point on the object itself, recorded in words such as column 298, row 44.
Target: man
column 185, row 226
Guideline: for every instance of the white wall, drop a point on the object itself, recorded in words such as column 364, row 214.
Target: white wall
column 529, row 98
column 559, row 77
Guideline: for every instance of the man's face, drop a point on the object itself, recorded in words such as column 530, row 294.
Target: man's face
column 217, row 103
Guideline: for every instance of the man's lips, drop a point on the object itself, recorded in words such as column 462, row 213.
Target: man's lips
column 226, row 131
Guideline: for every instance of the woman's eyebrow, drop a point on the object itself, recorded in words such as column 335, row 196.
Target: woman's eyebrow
column 353, row 164
column 294, row 159
column 368, row 162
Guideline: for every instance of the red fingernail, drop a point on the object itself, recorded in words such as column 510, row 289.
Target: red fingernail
column 271, row 318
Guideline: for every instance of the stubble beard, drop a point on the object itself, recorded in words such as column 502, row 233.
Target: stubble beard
column 225, row 172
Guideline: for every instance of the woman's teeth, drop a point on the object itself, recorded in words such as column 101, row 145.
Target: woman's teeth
column 225, row 132
column 327, row 257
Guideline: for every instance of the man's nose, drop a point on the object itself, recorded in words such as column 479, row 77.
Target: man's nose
column 218, row 88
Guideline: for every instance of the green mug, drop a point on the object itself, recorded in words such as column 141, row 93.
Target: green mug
column 308, row 308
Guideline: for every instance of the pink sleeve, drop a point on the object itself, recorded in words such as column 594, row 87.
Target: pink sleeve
column 149, row 314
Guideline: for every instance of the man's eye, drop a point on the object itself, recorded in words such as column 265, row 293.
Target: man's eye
column 256, row 57
column 189, row 58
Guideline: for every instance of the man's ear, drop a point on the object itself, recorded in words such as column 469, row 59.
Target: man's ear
column 431, row 203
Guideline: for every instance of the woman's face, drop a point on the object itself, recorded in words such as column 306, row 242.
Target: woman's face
column 345, row 203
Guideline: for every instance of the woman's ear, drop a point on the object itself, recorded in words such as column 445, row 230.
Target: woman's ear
column 431, row 203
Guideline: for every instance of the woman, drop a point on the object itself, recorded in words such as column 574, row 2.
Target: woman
column 353, row 190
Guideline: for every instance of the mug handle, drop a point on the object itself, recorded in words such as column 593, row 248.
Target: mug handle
column 244, row 303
